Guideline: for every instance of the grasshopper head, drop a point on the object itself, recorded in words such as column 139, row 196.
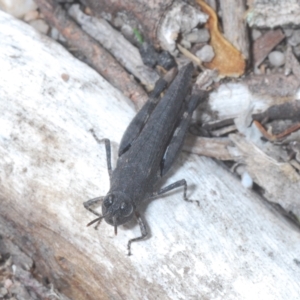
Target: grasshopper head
column 117, row 209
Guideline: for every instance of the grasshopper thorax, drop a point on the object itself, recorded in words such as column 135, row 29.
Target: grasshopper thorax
column 117, row 209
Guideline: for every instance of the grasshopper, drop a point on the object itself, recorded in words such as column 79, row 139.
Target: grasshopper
column 147, row 151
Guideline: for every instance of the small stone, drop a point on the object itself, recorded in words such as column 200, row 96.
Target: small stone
column 257, row 71
column 276, row 58
column 186, row 44
column 198, row 36
column 65, row 77
column 54, row 33
column 197, row 47
column 246, row 180
column 18, row 8
column 87, row 11
column 203, row 35
column 255, row 34
column 118, row 22
column 61, row 38
column 288, row 32
column 7, row 283
column 206, row 53
column 3, row 292
column 294, row 40
column 31, row 15
column 127, row 30
column 40, row 25
column 192, row 37
column 296, row 50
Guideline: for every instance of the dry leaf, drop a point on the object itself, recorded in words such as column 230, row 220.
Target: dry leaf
column 265, row 43
column 228, row 60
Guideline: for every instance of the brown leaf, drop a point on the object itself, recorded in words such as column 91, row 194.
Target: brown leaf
column 228, row 60
column 265, row 43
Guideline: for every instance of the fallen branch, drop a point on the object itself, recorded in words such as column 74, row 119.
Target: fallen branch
column 96, row 56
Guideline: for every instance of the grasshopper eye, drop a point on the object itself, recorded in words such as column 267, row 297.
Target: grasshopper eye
column 108, row 201
column 126, row 209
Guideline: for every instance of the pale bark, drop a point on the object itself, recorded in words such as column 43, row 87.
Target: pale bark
column 273, row 13
column 234, row 24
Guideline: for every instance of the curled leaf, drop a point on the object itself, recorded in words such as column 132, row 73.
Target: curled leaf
column 228, row 60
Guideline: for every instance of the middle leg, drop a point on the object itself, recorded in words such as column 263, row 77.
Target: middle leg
column 173, row 186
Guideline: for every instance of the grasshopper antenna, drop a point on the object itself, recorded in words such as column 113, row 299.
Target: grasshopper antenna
column 99, row 219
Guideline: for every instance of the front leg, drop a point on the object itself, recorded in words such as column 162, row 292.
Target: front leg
column 143, row 229
column 87, row 205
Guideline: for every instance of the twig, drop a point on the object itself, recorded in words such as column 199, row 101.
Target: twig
column 275, row 137
column 95, row 55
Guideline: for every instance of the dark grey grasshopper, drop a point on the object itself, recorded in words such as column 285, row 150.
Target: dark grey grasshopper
column 147, row 151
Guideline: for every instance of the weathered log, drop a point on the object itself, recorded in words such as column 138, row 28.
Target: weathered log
column 94, row 54
column 232, row 246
